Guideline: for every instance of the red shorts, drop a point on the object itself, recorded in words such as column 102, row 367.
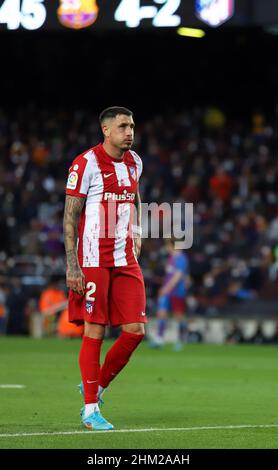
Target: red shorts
column 113, row 296
column 178, row 305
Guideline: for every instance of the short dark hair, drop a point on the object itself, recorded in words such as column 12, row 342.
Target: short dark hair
column 113, row 111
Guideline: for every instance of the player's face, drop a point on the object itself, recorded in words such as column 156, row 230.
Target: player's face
column 120, row 132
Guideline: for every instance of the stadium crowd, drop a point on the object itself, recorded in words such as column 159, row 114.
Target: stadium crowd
column 228, row 168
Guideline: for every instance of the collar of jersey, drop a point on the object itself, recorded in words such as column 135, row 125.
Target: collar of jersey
column 116, row 160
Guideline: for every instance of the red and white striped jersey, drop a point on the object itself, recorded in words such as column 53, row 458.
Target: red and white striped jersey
column 105, row 226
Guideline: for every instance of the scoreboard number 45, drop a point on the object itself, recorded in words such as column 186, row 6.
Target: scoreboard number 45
column 30, row 14
column 132, row 13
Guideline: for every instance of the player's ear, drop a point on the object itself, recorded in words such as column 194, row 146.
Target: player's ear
column 106, row 129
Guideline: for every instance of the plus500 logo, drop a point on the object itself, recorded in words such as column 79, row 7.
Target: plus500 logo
column 119, row 197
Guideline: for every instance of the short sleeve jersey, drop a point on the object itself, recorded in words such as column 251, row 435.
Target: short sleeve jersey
column 109, row 186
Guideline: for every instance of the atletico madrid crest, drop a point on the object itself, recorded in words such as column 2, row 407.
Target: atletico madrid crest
column 89, row 307
column 214, row 12
column 133, row 172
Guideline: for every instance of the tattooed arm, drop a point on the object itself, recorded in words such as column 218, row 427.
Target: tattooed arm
column 73, row 209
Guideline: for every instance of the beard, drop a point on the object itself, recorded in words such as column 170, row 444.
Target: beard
column 126, row 146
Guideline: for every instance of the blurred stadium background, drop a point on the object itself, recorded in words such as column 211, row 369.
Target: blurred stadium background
column 201, row 78
column 206, row 128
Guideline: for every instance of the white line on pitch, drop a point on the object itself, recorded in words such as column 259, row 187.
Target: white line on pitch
column 196, row 428
column 11, row 386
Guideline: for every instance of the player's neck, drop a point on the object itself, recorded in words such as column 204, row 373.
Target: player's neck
column 114, row 152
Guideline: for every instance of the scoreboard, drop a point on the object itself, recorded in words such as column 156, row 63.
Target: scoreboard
column 131, row 14
column 116, row 14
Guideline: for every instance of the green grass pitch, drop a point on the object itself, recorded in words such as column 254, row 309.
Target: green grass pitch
column 177, row 399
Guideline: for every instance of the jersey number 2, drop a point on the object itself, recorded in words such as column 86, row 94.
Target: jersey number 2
column 91, row 286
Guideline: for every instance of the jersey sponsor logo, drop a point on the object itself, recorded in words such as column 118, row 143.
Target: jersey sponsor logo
column 72, row 180
column 125, row 196
column 77, row 14
column 107, row 175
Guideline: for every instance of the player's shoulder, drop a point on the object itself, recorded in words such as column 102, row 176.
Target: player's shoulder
column 134, row 155
column 83, row 157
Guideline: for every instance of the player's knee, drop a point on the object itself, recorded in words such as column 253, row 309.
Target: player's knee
column 136, row 328
column 94, row 330
column 140, row 330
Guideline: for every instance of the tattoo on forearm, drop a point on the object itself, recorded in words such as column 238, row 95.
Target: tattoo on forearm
column 73, row 209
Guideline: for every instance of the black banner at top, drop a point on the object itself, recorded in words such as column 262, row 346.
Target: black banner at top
column 97, row 15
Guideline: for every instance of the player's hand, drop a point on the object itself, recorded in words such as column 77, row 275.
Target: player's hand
column 76, row 280
column 137, row 245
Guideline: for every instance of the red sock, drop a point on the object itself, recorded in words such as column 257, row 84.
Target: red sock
column 90, row 367
column 118, row 356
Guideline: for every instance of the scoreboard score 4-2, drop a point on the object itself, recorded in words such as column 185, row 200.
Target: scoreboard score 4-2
column 117, row 14
column 162, row 13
